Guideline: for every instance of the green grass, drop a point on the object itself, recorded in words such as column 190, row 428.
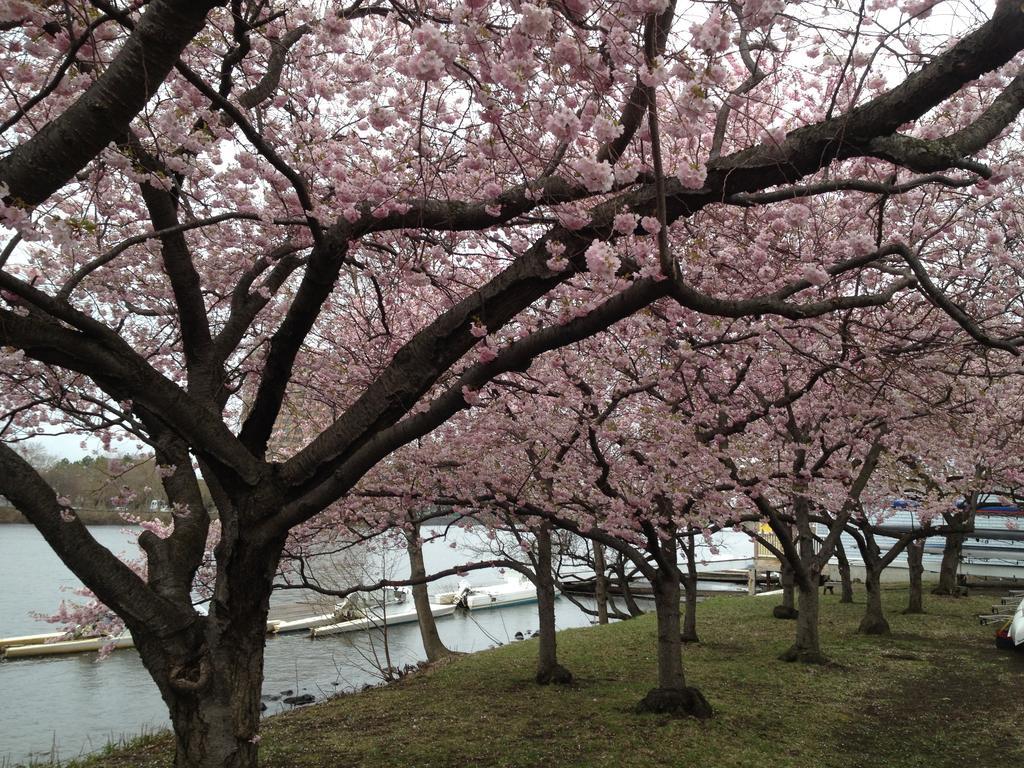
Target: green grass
column 936, row 693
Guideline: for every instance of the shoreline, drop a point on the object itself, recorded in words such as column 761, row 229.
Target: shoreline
column 11, row 516
column 863, row 694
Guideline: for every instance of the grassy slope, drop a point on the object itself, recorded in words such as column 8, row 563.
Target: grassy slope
column 935, row 694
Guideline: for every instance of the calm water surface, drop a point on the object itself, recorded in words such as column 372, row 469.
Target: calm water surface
column 65, row 706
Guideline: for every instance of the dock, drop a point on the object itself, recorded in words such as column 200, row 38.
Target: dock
column 299, row 610
column 747, row 581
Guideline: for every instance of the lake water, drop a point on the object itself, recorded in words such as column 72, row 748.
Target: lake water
column 63, row 707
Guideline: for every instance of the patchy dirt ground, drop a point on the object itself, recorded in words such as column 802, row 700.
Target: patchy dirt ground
column 961, row 707
column 934, row 694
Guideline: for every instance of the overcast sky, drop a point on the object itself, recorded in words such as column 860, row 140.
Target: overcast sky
column 70, row 446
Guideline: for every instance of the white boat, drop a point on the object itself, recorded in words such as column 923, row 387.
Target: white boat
column 296, row 625
column 85, row 645
column 513, row 592
column 10, row 642
column 402, row 614
column 308, row 623
column 50, row 644
column 350, row 608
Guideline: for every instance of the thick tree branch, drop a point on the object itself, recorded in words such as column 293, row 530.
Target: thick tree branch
column 925, row 156
column 43, row 164
column 124, row 375
column 935, row 295
column 186, row 288
column 325, row 263
column 990, row 46
column 633, row 111
column 112, row 581
column 338, row 474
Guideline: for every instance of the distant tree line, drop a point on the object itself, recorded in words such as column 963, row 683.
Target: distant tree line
column 105, row 489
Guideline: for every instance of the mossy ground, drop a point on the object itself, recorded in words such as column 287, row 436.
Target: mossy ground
column 936, row 693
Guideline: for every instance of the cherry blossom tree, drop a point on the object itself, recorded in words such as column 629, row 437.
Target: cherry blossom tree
column 217, row 215
column 433, row 646
column 477, row 476
column 962, row 448
column 624, row 443
column 815, row 452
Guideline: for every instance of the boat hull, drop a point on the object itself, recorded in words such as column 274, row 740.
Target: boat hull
column 11, row 642
column 86, row 645
column 373, row 622
column 48, row 644
column 483, row 600
column 299, row 625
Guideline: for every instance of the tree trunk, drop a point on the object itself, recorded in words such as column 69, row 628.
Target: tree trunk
column 689, row 634
column 950, row 564
column 432, row 644
column 670, row 649
column 915, row 555
column 627, row 593
column 548, row 668
column 874, row 622
column 214, row 704
column 600, row 584
column 786, row 578
column 671, row 695
column 844, row 573
column 807, row 647
column 211, row 680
